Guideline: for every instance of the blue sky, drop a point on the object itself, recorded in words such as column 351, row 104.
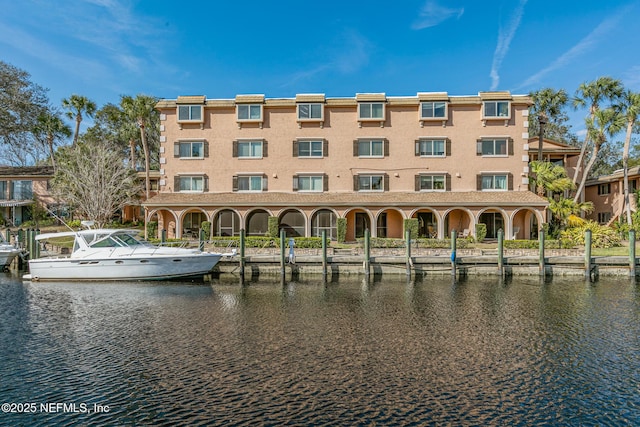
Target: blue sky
column 105, row 48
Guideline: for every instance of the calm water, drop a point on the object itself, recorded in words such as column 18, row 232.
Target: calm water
column 479, row 352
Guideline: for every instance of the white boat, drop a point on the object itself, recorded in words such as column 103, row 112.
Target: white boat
column 8, row 252
column 113, row 254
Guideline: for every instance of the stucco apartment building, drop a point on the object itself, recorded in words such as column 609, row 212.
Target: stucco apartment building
column 20, row 188
column 607, row 194
column 449, row 161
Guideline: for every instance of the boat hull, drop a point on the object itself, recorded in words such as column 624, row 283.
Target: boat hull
column 125, row 268
column 7, row 255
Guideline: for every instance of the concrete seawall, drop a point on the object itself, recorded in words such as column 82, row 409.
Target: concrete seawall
column 427, row 265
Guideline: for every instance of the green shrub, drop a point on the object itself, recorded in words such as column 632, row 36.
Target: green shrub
column 266, row 242
column 601, row 236
column 152, row 229
column 534, row 244
column 272, row 226
column 206, row 227
column 412, row 225
column 341, row 225
column 481, row 232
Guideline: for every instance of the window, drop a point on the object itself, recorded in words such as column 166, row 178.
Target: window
column 3, row 190
column 371, row 111
column 21, row 190
column 431, row 183
column 494, row 182
column 248, row 149
column 189, row 113
column 191, row 183
column 310, row 111
column 604, row 217
column 495, row 147
column 371, row 148
column 249, row 112
column 324, row 220
column 604, row 189
column 371, row 182
column 189, row 149
column 433, row 110
column 431, row 147
column 496, row 109
column 250, row 183
column 309, row 148
column 310, row 183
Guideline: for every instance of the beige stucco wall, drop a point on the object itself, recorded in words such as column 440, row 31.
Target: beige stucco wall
column 401, row 127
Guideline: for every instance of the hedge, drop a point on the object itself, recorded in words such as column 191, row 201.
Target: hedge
column 268, row 242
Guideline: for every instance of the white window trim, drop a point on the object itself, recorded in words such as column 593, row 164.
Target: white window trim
column 244, row 141
column 494, row 174
column 249, row 105
column 310, row 119
column 370, row 140
column 309, row 140
column 496, row 118
column 435, row 190
column 370, row 175
column 494, row 138
column 192, row 175
column 249, row 175
column 372, row 119
column 311, row 175
column 446, row 111
column 437, row 156
column 191, row 141
column 187, row 121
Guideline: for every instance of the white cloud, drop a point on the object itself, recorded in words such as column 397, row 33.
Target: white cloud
column 580, row 48
column 432, row 14
column 347, row 56
column 505, row 35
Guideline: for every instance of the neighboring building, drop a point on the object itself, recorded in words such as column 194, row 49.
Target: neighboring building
column 556, row 152
column 449, row 161
column 135, row 213
column 20, row 189
column 607, row 194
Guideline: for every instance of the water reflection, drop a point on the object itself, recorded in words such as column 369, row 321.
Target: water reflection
column 437, row 351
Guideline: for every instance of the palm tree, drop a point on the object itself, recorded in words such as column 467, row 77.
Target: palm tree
column 602, row 123
column 77, row 106
column 549, row 177
column 629, row 107
column 51, row 127
column 593, row 94
column 564, row 209
column 549, row 103
column 141, row 110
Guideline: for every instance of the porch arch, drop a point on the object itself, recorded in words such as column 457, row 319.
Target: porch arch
column 460, row 219
column 293, row 222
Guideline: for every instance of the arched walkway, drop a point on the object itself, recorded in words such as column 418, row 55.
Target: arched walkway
column 226, row 223
column 293, row 223
column 192, row 222
column 324, row 219
column 427, row 223
column 461, row 220
column 257, row 222
column 389, row 224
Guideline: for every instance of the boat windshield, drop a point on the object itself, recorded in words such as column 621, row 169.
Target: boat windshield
column 111, row 240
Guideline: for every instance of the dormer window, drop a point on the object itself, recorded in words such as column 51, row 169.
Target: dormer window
column 433, row 110
column 310, row 112
column 190, row 113
column 249, row 112
column 496, row 110
column 371, row 111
